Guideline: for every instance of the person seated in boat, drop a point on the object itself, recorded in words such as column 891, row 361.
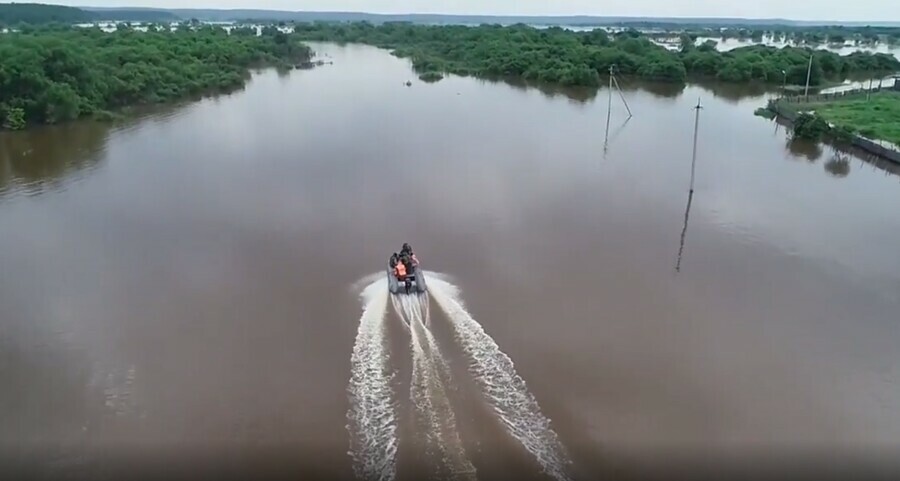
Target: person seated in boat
column 400, row 271
column 404, row 259
column 407, row 250
column 395, row 258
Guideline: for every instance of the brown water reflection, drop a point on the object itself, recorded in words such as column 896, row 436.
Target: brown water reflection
column 807, row 149
column 576, row 94
column 627, row 84
column 660, row 89
column 838, row 165
column 192, row 294
column 44, row 158
column 737, row 92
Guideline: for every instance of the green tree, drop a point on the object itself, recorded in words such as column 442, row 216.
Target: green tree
column 798, row 73
column 62, row 103
column 735, row 70
column 687, row 43
column 596, row 37
column 810, row 127
column 54, row 74
column 707, row 63
column 708, row 46
column 663, row 69
column 14, row 119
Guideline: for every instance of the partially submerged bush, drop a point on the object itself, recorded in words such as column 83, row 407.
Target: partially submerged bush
column 810, row 126
column 431, row 77
column 764, row 113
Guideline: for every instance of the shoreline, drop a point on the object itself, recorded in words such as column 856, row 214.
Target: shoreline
column 126, row 111
column 105, row 73
column 871, row 146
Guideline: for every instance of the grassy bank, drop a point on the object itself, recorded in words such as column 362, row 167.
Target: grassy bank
column 559, row 56
column 51, row 75
column 877, row 118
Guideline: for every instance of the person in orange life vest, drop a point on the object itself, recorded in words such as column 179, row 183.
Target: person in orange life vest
column 400, row 271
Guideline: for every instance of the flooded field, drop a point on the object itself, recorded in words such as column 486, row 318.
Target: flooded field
column 209, row 279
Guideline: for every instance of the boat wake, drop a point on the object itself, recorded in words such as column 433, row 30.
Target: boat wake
column 372, row 420
column 428, row 391
column 504, row 389
column 372, row 416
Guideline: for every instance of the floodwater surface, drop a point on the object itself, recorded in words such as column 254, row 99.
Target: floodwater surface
column 187, row 283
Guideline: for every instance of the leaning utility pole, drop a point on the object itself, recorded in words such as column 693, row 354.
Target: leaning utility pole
column 609, row 105
column 808, row 75
column 687, row 210
column 621, row 95
column 613, row 81
column 696, row 130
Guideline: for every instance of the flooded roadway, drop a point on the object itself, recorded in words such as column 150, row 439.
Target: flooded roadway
column 185, row 284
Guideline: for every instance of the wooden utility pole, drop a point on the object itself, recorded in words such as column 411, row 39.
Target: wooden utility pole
column 808, row 75
column 609, row 105
column 613, row 82
column 622, row 96
column 687, row 210
column 696, row 130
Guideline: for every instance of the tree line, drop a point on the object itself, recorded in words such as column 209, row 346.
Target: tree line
column 34, row 13
column 561, row 56
column 13, row 14
column 50, row 75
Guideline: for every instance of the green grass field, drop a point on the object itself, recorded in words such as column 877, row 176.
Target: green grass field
column 878, row 118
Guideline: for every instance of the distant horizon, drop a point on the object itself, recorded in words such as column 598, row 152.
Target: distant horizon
column 637, row 18
column 860, row 12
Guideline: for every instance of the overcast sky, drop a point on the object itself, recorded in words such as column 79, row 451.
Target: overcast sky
column 848, row 10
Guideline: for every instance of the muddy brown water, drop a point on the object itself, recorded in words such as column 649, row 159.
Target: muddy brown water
column 179, row 286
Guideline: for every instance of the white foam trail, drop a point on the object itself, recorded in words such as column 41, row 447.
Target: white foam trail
column 399, row 308
column 504, row 389
column 428, row 392
column 372, row 417
column 366, row 281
